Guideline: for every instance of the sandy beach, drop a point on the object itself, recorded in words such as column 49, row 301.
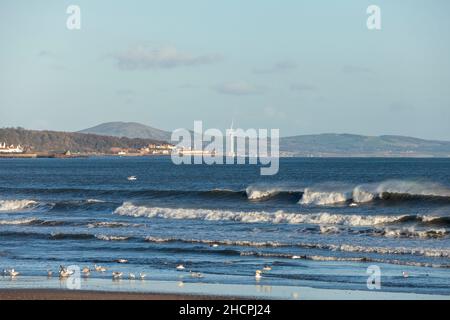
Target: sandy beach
column 54, row 294
column 41, row 288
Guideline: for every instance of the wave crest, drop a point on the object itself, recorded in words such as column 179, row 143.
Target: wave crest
column 16, row 205
column 129, row 209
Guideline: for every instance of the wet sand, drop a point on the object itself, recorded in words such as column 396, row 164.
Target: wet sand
column 53, row 294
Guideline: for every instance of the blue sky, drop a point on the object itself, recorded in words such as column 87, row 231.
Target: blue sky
column 301, row 66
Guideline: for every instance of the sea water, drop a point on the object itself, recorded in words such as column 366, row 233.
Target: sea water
column 318, row 223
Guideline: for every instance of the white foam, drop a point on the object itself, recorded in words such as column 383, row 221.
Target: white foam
column 17, row 222
column 413, row 188
column 325, row 229
column 110, row 237
column 362, row 196
column 323, row 198
column 16, row 205
column 369, row 192
column 94, row 201
column 254, row 193
column 429, row 252
column 411, row 232
column 244, row 243
column 129, row 209
column 112, row 224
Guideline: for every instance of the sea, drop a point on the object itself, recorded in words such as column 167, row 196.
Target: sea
column 320, row 222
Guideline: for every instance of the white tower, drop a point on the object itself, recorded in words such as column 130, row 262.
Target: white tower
column 231, row 132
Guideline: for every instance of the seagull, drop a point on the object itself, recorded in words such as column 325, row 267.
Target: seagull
column 49, row 273
column 267, row 268
column 142, row 275
column 13, row 273
column 117, row 275
column 196, row 274
column 122, row 261
column 99, row 268
column 86, row 271
column 180, row 267
column 258, row 275
column 405, row 274
column 64, row 273
column 131, row 276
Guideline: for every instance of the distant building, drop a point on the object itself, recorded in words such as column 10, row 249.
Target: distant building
column 10, row 149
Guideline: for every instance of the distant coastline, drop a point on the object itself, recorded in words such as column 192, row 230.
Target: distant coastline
column 133, row 139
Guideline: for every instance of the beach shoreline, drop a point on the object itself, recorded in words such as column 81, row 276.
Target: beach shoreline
column 61, row 294
column 41, row 288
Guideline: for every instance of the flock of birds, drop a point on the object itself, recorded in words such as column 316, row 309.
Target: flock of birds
column 117, row 275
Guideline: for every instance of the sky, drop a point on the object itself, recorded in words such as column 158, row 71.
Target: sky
column 305, row 67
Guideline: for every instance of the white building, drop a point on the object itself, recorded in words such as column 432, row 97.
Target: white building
column 10, row 149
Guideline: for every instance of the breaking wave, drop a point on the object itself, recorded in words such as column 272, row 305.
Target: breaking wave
column 110, row 237
column 112, row 224
column 428, row 252
column 413, row 233
column 17, row 205
column 25, row 221
column 394, row 190
column 130, row 209
column 322, row 198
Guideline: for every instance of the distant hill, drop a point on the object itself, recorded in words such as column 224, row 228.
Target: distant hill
column 134, row 135
column 325, row 145
column 54, row 141
column 129, row 130
column 357, row 145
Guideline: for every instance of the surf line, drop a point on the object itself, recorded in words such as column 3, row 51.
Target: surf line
column 237, row 146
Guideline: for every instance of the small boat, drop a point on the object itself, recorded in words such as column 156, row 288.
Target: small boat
column 132, row 178
column 180, row 267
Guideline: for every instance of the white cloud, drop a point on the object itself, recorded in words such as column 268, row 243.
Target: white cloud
column 239, row 88
column 141, row 57
column 280, row 66
column 350, row 69
column 303, row 87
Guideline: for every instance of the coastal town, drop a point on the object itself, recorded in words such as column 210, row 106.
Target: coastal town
column 19, row 151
